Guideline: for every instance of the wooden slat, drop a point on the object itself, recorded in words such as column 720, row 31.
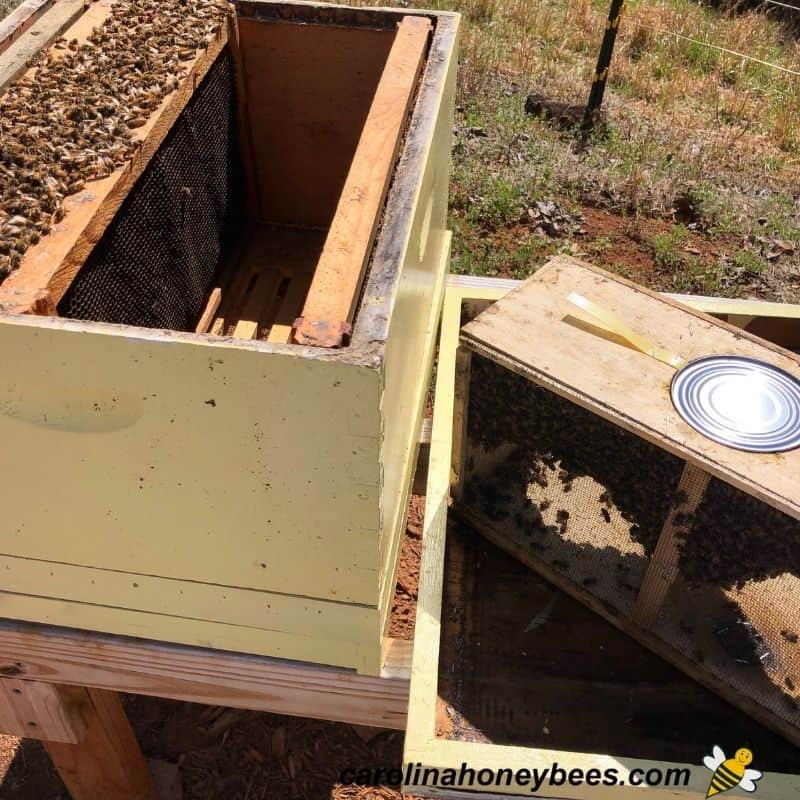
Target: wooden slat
column 260, row 299
column 38, row 652
column 107, row 764
column 332, row 299
column 290, row 308
column 663, row 568
column 14, row 61
column 45, row 711
column 48, row 268
column 20, row 19
column 207, row 317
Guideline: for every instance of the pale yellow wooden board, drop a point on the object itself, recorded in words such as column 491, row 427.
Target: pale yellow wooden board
column 409, row 348
column 331, row 650
column 191, row 458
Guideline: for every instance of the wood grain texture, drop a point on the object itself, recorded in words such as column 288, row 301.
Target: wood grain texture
column 48, row 268
column 334, row 292
column 199, row 675
column 778, row 323
column 107, row 763
column 308, row 90
column 663, row 568
column 46, row 711
column 533, row 332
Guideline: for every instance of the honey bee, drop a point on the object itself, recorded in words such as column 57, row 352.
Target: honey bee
column 732, row 772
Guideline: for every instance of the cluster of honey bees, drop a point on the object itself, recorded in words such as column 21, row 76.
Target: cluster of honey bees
column 561, row 441
column 734, row 538
column 72, row 118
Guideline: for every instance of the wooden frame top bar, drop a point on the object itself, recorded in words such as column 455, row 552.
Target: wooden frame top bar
column 333, row 296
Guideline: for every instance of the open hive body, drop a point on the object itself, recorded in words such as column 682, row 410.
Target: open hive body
column 514, row 669
column 229, row 487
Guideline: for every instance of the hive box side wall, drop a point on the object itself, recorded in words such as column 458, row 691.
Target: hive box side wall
column 211, row 461
column 423, row 247
column 421, row 744
column 308, row 91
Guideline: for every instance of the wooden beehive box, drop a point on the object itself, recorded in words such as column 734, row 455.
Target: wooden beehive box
column 218, row 343
column 511, row 672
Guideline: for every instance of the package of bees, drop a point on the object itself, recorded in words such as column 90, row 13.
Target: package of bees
column 222, row 255
column 570, row 452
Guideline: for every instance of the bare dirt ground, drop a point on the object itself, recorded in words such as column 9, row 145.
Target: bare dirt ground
column 243, row 755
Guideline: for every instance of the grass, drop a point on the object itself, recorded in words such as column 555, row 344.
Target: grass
column 701, row 141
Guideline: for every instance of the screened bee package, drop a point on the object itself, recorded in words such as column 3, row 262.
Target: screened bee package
column 570, row 455
column 223, row 255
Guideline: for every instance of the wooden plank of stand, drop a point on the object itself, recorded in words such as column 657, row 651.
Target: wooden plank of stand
column 39, row 710
column 48, row 268
column 334, row 291
column 197, row 675
column 663, row 568
column 108, row 763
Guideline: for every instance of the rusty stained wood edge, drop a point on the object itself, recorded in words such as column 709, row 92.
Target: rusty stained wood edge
column 331, row 302
column 48, row 268
column 20, row 19
column 37, row 652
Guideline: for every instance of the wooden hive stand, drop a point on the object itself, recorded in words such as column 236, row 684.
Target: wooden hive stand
column 61, row 687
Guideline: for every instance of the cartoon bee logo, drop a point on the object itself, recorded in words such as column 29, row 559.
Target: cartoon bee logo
column 732, row 772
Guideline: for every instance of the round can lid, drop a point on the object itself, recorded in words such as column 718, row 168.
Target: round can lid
column 740, row 402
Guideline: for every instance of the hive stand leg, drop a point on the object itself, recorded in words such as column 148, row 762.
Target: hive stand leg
column 664, row 563
column 107, row 764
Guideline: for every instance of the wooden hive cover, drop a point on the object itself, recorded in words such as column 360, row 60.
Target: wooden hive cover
column 707, row 571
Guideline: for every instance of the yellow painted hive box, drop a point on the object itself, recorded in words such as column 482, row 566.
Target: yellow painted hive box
column 518, row 687
column 220, row 282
